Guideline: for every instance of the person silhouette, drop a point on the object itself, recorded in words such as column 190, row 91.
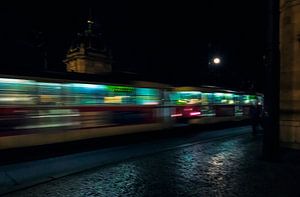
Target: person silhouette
column 255, row 118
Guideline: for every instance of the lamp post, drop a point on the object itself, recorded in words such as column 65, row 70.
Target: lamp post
column 271, row 135
column 213, row 64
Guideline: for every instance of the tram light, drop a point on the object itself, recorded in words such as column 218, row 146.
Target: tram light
column 188, row 109
column 195, row 113
column 176, row 115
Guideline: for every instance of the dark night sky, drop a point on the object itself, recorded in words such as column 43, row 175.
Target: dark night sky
column 164, row 41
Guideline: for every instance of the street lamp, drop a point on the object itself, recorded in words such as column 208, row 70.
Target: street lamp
column 216, row 60
column 213, row 67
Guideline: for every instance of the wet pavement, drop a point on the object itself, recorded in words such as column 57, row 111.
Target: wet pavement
column 227, row 167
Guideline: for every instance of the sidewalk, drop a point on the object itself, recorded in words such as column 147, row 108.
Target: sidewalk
column 227, row 167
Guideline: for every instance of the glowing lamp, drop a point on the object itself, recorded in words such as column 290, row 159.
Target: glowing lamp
column 217, row 60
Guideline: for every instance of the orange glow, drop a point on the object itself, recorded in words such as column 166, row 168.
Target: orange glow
column 188, row 109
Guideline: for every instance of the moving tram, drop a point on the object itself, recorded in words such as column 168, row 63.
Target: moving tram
column 39, row 111
column 212, row 104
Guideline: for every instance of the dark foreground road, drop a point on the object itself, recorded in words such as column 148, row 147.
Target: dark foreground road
column 223, row 167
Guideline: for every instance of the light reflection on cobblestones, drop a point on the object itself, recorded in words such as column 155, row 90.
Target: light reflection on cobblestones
column 220, row 168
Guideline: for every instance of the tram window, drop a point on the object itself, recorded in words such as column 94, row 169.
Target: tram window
column 237, row 99
column 207, row 98
column 49, row 93
column 147, row 96
column 173, row 97
column 120, row 95
column 207, row 108
column 249, row 99
column 166, row 97
column 84, row 94
column 224, row 98
column 186, row 97
column 25, row 87
column 16, row 92
column 260, row 100
column 49, row 88
column 16, row 99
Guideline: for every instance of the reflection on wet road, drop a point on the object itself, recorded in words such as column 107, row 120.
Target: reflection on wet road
column 228, row 167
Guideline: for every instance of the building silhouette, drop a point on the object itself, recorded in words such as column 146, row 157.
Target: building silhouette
column 88, row 53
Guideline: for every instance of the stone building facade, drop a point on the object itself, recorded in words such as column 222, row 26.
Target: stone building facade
column 290, row 73
column 88, row 54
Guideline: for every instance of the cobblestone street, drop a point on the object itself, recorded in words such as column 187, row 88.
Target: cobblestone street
column 228, row 167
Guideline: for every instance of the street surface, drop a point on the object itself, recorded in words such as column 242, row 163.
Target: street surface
column 222, row 167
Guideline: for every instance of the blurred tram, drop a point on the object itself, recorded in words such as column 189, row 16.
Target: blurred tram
column 36, row 111
column 39, row 111
column 212, row 104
